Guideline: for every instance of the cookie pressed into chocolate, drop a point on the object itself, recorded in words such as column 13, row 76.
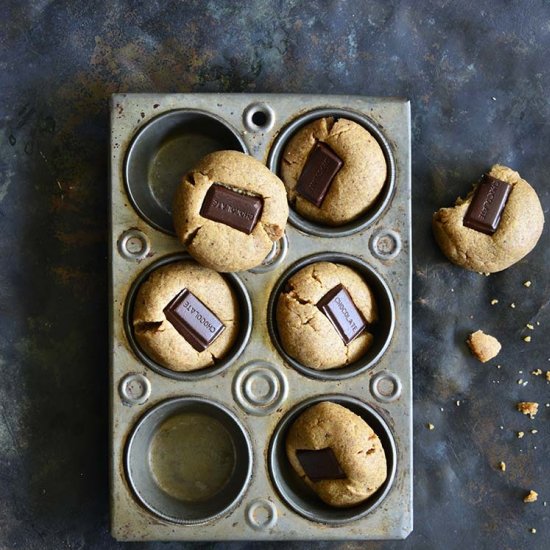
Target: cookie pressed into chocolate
column 323, row 316
column 495, row 226
column 185, row 316
column 337, row 454
column 229, row 210
column 333, row 170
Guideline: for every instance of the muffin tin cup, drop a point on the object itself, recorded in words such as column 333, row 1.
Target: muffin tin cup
column 382, row 330
column 382, row 201
column 141, row 478
column 299, row 496
column 184, row 136
column 255, row 390
column 245, row 324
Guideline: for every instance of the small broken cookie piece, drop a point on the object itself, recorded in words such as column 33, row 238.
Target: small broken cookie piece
column 528, row 408
column 483, row 346
column 531, row 496
column 337, row 454
column 495, row 226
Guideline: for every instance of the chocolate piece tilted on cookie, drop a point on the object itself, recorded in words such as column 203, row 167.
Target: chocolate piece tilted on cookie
column 193, row 320
column 320, row 464
column 237, row 210
column 487, row 205
column 340, row 310
column 317, row 175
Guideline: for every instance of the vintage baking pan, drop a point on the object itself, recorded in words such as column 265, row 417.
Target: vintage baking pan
column 257, row 390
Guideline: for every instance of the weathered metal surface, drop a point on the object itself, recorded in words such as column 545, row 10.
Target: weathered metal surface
column 477, row 76
column 390, row 280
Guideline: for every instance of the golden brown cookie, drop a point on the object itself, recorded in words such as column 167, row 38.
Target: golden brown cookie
column 216, row 244
column 306, row 333
column 158, row 337
column 357, row 184
column 354, row 444
column 517, row 233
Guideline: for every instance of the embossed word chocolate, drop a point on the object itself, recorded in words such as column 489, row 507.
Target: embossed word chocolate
column 193, row 320
column 231, row 208
column 321, row 464
column 487, row 204
column 340, row 310
column 317, row 175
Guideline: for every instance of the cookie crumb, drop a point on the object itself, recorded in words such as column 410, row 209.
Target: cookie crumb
column 530, row 326
column 520, row 381
column 527, row 339
column 548, row 375
column 430, row 426
column 534, row 431
column 533, row 530
column 483, row 346
column 512, row 305
column 531, row 496
column 494, row 301
column 537, row 372
column 528, row 407
column 502, row 466
column 527, row 284
column 520, row 434
column 458, row 403
column 498, row 366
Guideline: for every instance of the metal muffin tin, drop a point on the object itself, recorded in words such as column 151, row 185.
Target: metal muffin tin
column 257, row 391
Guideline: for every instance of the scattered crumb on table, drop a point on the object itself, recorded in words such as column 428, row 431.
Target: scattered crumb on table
column 528, row 407
column 531, row 496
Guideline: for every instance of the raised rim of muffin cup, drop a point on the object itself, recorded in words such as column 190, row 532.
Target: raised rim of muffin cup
column 297, row 494
column 375, row 211
column 146, row 143
column 245, row 324
column 382, row 330
column 141, row 479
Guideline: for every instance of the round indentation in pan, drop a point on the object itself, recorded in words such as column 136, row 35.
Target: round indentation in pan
column 245, row 324
column 188, row 460
column 374, row 212
column 163, row 151
column 382, row 330
column 297, row 494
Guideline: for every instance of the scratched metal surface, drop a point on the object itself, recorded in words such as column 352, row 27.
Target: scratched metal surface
column 477, row 78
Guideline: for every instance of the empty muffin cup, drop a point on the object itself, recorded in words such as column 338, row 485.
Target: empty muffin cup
column 244, row 329
column 380, row 203
column 297, row 494
column 382, row 329
column 165, row 149
column 188, row 460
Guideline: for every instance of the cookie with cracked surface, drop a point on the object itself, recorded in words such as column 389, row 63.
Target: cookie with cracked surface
column 229, row 210
column 307, row 333
column 356, row 185
column 355, row 446
column 158, row 336
column 517, row 233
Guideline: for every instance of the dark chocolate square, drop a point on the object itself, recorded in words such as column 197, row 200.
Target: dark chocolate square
column 321, row 464
column 487, row 204
column 231, row 208
column 340, row 310
column 193, row 320
column 317, row 175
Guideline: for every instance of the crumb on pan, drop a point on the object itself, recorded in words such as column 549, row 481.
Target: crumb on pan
column 531, row 496
column 483, row 346
column 502, row 466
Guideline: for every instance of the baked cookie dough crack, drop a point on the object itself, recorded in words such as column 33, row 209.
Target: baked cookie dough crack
column 148, row 326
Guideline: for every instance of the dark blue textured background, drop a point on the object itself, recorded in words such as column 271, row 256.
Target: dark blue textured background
column 477, row 75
